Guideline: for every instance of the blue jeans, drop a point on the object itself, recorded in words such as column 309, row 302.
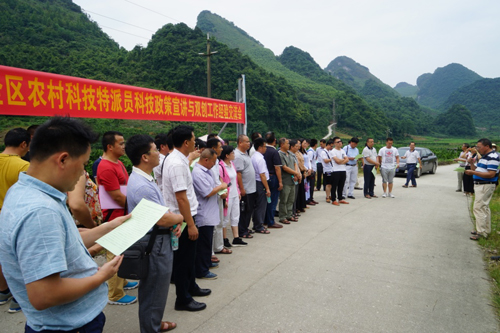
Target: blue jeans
column 275, row 194
column 410, row 174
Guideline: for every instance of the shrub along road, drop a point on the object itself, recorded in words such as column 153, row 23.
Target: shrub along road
column 380, row 265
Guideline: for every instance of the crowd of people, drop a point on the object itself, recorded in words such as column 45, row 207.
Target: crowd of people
column 216, row 189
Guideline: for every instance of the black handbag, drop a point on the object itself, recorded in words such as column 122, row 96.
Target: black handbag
column 135, row 264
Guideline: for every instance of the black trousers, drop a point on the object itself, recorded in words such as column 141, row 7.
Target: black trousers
column 312, row 179
column 204, row 250
column 184, row 268
column 319, row 172
column 369, row 180
column 247, row 206
column 338, row 181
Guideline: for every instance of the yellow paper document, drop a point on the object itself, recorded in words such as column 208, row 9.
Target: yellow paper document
column 144, row 217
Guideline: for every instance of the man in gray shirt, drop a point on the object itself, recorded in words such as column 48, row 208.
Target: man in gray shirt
column 247, row 184
column 153, row 290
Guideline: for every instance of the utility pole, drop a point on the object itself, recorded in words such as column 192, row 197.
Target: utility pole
column 209, row 77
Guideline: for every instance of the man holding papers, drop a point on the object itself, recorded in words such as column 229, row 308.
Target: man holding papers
column 111, row 177
column 180, row 197
column 153, row 290
column 43, row 256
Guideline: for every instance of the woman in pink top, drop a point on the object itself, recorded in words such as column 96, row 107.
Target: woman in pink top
column 228, row 174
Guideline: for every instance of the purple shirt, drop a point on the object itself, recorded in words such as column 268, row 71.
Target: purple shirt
column 208, row 208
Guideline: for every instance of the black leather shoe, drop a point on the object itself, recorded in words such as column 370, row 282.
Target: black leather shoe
column 351, row 197
column 191, row 306
column 201, row 292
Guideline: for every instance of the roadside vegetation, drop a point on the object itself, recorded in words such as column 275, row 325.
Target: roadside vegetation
column 491, row 248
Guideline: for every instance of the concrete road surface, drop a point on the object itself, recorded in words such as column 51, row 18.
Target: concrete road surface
column 380, row 265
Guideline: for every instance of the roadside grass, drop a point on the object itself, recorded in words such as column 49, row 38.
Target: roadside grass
column 491, row 247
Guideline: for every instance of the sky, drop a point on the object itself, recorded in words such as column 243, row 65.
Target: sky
column 397, row 40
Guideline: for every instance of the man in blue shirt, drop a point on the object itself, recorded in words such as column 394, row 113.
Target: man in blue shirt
column 485, row 176
column 153, row 290
column 43, row 256
column 208, row 211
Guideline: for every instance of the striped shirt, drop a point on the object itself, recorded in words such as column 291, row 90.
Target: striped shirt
column 487, row 163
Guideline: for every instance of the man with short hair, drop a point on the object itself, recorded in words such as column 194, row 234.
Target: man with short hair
column 180, row 197
column 388, row 157
column 50, row 273
column 262, row 187
column 17, row 145
column 339, row 160
column 273, row 162
column 319, row 165
column 412, row 158
column 247, row 184
column 287, row 194
column 485, row 175
column 313, row 157
column 370, row 161
column 111, row 176
column 31, row 131
column 153, row 290
column 164, row 145
column 351, row 150
column 326, row 161
column 208, row 214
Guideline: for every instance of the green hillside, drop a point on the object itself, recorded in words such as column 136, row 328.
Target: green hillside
column 55, row 36
column 482, row 98
column 359, row 77
column 355, row 115
column 435, row 88
column 456, row 122
column 406, row 90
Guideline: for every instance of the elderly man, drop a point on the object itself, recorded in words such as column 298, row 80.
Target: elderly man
column 208, row 214
column 485, row 176
column 247, row 184
column 43, row 256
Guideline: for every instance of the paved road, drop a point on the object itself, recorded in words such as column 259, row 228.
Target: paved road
column 380, row 265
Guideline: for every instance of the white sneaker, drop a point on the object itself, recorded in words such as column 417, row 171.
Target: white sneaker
column 391, row 195
column 384, row 195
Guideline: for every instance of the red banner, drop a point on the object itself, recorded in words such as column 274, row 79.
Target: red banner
column 30, row 93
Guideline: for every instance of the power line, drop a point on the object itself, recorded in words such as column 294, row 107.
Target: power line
column 128, row 33
column 88, row 11
column 153, row 11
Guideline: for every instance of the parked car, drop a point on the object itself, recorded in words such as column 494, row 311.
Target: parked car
column 428, row 158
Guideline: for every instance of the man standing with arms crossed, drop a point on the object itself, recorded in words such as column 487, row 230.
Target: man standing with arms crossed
column 388, row 157
column 485, row 176
column 319, row 164
column 326, row 161
column 180, row 197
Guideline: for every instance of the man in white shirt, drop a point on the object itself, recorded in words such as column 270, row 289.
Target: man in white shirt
column 351, row 150
column 164, row 145
column 388, row 157
column 262, row 187
column 370, row 161
column 412, row 158
column 340, row 160
column 326, row 162
column 313, row 158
